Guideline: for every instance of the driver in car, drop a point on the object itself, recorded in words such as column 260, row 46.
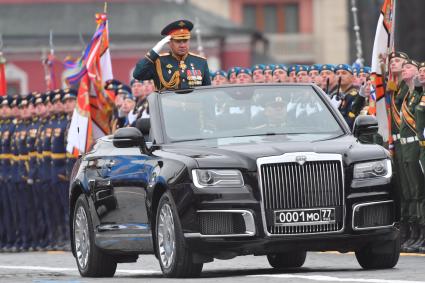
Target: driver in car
column 274, row 113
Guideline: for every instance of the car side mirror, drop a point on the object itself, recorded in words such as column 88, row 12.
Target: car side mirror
column 144, row 125
column 365, row 125
column 128, row 137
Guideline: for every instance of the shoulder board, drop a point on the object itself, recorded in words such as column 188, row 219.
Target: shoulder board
column 423, row 98
column 353, row 92
column 164, row 54
column 197, row 55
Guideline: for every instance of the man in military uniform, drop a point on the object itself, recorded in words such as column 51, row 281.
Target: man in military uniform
column 398, row 89
column 24, row 193
column 43, row 148
column 302, row 74
column 292, row 74
column 329, row 82
column 231, row 74
column 119, row 120
column 219, row 78
column 268, row 73
column 280, row 73
column 314, row 73
column 69, row 100
column 258, row 73
column 178, row 69
column 58, row 159
column 351, row 102
column 420, row 129
column 38, row 226
column 8, row 197
column 244, row 76
column 410, row 152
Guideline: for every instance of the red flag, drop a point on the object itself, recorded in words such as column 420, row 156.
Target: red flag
column 3, row 82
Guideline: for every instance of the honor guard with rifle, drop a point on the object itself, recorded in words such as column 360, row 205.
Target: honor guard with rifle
column 420, row 129
column 177, row 69
column 410, row 153
column 351, row 102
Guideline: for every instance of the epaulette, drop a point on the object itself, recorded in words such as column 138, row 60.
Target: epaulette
column 353, row 92
column 422, row 103
column 164, row 54
column 197, row 55
column 15, row 121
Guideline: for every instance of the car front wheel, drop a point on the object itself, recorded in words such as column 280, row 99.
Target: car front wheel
column 91, row 261
column 174, row 255
column 379, row 255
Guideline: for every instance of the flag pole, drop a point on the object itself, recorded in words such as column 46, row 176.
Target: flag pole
column 105, row 8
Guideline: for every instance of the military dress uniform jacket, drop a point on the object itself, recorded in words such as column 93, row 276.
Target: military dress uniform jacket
column 44, row 148
column 408, row 133
column 6, row 149
column 58, row 149
column 23, row 157
column 351, row 105
column 397, row 98
column 420, row 128
column 32, row 150
column 168, row 72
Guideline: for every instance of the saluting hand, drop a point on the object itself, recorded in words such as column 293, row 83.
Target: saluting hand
column 157, row 48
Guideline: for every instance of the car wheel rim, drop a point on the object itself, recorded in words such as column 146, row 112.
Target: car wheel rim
column 166, row 236
column 81, row 237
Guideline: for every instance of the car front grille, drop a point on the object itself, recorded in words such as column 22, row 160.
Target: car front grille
column 314, row 184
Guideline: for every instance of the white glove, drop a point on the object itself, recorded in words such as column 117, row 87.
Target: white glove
column 336, row 102
column 157, row 48
column 30, row 181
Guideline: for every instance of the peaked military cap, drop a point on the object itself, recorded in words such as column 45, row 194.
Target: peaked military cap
column 421, row 65
column 39, row 99
column 15, row 101
column 133, row 81
column 57, row 95
column 49, row 95
column 25, row 101
column 178, row 30
column 327, row 67
column 411, row 62
column 123, row 89
column 219, row 72
column 69, row 93
column 396, row 54
column 344, row 67
column 112, row 84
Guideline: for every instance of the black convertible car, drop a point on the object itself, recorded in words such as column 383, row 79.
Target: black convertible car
column 219, row 172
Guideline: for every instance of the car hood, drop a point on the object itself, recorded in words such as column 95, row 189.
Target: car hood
column 244, row 155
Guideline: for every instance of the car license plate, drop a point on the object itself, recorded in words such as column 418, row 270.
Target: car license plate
column 304, row 216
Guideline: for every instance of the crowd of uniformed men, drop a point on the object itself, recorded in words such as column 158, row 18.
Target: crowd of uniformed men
column 35, row 167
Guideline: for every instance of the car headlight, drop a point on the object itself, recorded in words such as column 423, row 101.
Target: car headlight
column 204, row 178
column 372, row 173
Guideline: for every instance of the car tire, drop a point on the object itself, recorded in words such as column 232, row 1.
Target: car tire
column 91, row 261
column 175, row 257
column 287, row 260
column 379, row 255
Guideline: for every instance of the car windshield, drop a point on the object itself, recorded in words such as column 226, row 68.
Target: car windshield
column 247, row 111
